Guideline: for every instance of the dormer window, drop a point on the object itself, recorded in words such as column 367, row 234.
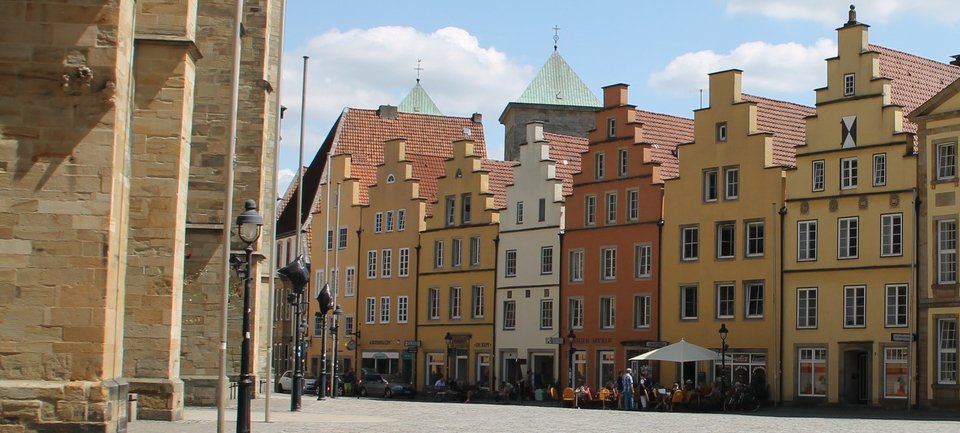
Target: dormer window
column 611, row 128
column 391, row 178
column 722, row 132
column 849, row 86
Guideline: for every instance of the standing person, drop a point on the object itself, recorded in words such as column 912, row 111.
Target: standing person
column 644, row 390
column 348, row 380
column 627, row 389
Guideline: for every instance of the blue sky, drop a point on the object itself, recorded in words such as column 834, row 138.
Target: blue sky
column 478, row 56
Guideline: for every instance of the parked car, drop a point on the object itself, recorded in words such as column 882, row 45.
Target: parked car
column 384, row 385
column 285, row 383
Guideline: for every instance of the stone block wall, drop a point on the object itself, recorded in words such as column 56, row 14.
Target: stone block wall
column 558, row 119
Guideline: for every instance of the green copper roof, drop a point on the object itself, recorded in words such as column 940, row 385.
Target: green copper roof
column 418, row 101
column 557, row 84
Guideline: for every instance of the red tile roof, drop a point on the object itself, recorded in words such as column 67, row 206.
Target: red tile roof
column 786, row 121
column 501, row 175
column 565, row 151
column 915, row 79
column 427, row 169
column 665, row 132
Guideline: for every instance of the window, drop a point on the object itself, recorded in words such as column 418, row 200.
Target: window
column 546, row 314
column 438, row 253
column 391, row 178
column 880, row 169
column 947, row 251
column 817, row 172
column 807, row 307
column 456, row 252
column 726, row 240
column 404, row 262
column 475, row 250
column 611, row 127
column 611, row 199
column 590, row 209
column 436, row 366
column 622, row 162
column 317, row 326
column 465, row 208
column 509, row 315
column 848, row 236
column 688, row 302
column 350, row 281
column 606, row 359
column 371, row 264
column 433, row 303
column 895, row 372
column 510, row 264
column 389, row 220
column 946, row 161
column 334, row 281
column 378, row 222
column 598, row 165
column 806, row 240
column 403, row 305
column 330, row 240
column 754, row 239
column 725, row 301
column 642, row 260
column 519, row 212
column 848, row 173
column 754, row 298
column 848, row 84
column 576, row 265
column 477, row 301
column 947, row 351
column 722, row 131
column 690, row 243
column 812, row 372
column 348, row 325
column 483, row 368
column 384, row 309
column 609, row 270
column 710, row 185
column 546, row 260
column 386, row 266
column 371, row 310
column 455, row 302
column 896, row 305
column 542, row 210
column 607, row 312
column 641, row 311
column 731, row 183
column 342, row 239
column 576, row 313
column 633, row 205
column 854, row 305
column 891, row 235
column 401, row 219
column 450, row 207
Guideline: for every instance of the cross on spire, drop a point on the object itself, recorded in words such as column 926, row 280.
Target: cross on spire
column 418, row 69
column 556, row 37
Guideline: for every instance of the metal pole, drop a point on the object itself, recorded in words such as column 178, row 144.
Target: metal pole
column 335, row 330
column 297, row 391
column 336, row 290
column 245, row 384
column 227, row 217
column 322, row 388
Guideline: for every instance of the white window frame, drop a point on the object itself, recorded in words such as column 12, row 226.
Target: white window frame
column 378, row 222
column 813, row 357
column 546, row 260
column 456, row 252
column 755, row 238
column 510, row 263
column 610, row 205
column 450, row 210
column 807, row 233
column 608, row 263
column 475, row 251
column 599, row 165
column 818, row 173
column 403, row 306
column 611, row 127
column 350, row 281
column 509, row 315
column 575, row 312
column 633, row 205
column 947, row 351
column 401, row 219
column 731, row 183
column 726, row 239
column 456, row 302
column 438, row 254
column 849, row 172
column 807, row 308
column 576, row 265
column 879, row 169
column 891, row 235
column 946, row 159
column 403, row 266
column 608, row 312
column 721, row 131
column 848, row 237
column 386, row 263
column 895, row 364
column 711, row 185
column 477, row 296
column 726, row 300
column 384, row 309
column 855, row 306
column 389, row 215
column 642, row 311
column 621, row 162
column 690, row 243
column 753, row 300
column 372, row 264
column 546, row 314
column 849, row 84
column 946, row 251
column 642, row 261
column 897, row 305
column 519, row 212
column 689, row 302
column 342, row 238
column 466, row 208
column 371, row 311
column 433, row 303
column 590, row 209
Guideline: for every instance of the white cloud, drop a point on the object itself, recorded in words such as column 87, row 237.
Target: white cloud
column 284, row 177
column 781, row 68
column 832, row 13
column 366, row 68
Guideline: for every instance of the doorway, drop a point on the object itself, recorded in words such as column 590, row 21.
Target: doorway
column 543, row 373
column 856, row 377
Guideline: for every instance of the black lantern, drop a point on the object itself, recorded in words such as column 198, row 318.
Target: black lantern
column 723, row 357
column 325, row 303
column 296, row 276
column 248, row 228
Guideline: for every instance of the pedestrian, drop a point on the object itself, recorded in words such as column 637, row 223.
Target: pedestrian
column 627, row 389
column 619, row 389
column 644, row 392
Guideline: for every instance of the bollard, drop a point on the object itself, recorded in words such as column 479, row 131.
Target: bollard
column 132, row 407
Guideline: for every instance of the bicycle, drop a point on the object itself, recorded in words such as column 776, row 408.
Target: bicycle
column 741, row 398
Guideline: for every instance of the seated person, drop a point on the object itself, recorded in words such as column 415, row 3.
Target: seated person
column 440, row 385
column 584, row 391
column 506, row 389
column 677, row 395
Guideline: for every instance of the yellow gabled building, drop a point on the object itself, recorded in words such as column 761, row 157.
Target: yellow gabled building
column 849, row 262
column 938, row 295
column 457, row 270
column 720, row 234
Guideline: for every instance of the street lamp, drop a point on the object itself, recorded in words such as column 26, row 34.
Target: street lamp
column 449, row 339
column 723, row 357
column 571, row 337
column 249, row 223
column 325, row 303
column 335, row 330
column 296, row 276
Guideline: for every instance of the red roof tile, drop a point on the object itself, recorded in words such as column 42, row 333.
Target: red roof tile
column 665, row 132
column 566, row 150
column 915, row 79
column 427, row 169
column 786, row 121
column 501, row 175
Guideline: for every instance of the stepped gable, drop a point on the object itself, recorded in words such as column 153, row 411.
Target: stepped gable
column 665, row 132
column 786, row 120
column 557, row 84
column 565, row 151
column 915, row 79
column 500, row 175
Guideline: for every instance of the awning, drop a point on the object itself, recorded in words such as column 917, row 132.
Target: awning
column 380, row 355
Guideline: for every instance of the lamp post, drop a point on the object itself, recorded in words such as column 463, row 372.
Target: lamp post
column 449, row 339
column 723, row 357
column 335, row 331
column 571, row 337
column 248, row 227
column 296, row 276
column 325, row 303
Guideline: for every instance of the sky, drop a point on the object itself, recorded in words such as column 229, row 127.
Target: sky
column 477, row 56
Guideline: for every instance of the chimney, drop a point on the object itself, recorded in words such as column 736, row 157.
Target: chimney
column 477, row 118
column 387, row 112
column 956, row 60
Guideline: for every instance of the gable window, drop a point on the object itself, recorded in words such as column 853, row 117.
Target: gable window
column 947, row 351
column 404, row 262
column 817, row 171
column 519, row 212
column 622, row 162
column 598, row 165
column 438, row 253
column 807, row 307
column 611, row 127
column 389, row 220
column 450, row 207
column 608, row 312
column 475, row 251
column 576, row 313
column 433, row 303
column 854, row 306
column 848, row 236
column 731, row 183
column 642, row 256
column 378, row 222
column 806, row 240
column 896, row 305
column 590, row 209
column 465, row 208
column 546, row 260
column 848, row 173
column 576, row 265
column 633, row 205
column 391, row 178
column 641, row 311
column 546, row 314
column 722, row 131
column 456, row 252
column 509, row 315
column 710, row 185
column 891, row 235
column 947, row 251
column 688, row 302
column 754, row 299
column 611, row 199
column 510, row 264
column 401, row 219
column 478, row 299
column 849, row 84
column 609, row 270
column 690, row 243
column 754, row 238
column 946, row 161
column 371, row 264
column 880, row 169
column 725, row 301
column 386, row 267
column 726, row 240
